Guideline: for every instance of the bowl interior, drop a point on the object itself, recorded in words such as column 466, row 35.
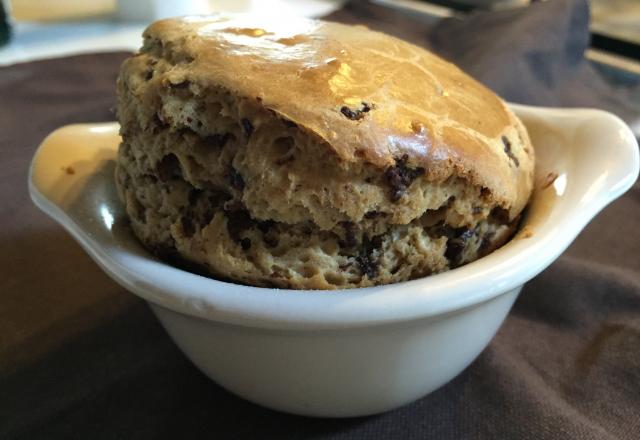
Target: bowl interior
column 585, row 159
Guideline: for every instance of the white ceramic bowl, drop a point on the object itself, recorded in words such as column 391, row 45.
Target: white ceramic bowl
column 351, row 352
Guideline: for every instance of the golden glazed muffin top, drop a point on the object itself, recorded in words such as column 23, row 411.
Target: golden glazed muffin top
column 370, row 97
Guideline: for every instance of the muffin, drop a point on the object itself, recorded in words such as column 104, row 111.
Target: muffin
column 313, row 155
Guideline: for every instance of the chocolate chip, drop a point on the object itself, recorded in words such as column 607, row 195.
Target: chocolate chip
column 400, row 177
column 349, row 113
column 217, row 140
column 247, row 126
column 373, row 214
column 349, row 235
column 371, row 244
column 499, row 215
column 356, row 114
column 442, row 230
column 169, row 168
column 456, row 245
column 235, row 179
column 237, row 223
column 181, row 85
column 187, row 226
column 245, row 243
column 368, row 266
column 376, row 242
column 265, row 226
column 454, row 249
column 486, row 242
column 507, row 150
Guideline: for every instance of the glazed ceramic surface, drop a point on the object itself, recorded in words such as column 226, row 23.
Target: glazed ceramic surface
column 350, row 352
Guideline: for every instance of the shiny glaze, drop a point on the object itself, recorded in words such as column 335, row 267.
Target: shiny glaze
column 307, row 70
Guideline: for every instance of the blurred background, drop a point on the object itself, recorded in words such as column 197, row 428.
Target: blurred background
column 37, row 29
column 34, row 29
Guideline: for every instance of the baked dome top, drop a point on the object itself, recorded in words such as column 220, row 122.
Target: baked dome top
column 370, row 97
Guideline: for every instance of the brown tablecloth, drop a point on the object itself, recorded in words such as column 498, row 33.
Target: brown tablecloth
column 82, row 358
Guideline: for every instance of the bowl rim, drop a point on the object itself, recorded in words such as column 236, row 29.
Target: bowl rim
column 505, row 269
